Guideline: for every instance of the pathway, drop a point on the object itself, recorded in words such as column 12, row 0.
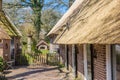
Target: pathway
column 39, row 73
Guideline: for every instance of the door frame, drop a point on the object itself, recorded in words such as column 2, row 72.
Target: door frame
column 85, row 61
column 74, row 60
column 67, row 56
column 109, row 62
column 113, row 63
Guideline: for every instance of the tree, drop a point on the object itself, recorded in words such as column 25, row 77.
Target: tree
column 46, row 12
column 28, row 30
column 49, row 18
column 37, row 6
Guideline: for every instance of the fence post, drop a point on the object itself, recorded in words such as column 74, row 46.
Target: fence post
column 47, row 59
column 58, row 59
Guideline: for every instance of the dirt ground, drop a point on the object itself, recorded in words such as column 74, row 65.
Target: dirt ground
column 38, row 73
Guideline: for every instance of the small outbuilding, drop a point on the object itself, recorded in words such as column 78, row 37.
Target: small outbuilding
column 42, row 45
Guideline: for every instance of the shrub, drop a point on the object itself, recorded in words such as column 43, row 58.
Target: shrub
column 2, row 65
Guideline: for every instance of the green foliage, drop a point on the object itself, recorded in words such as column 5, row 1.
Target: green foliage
column 26, row 59
column 49, row 19
column 44, row 51
column 2, row 64
column 29, row 58
column 53, row 59
column 61, row 65
column 34, row 48
column 24, row 43
column 37, row 6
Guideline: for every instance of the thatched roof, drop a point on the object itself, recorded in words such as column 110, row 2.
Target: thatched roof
column 97, row 22
column 42, row 42
column 63, row 21
column 7, row 25
column 3, row 34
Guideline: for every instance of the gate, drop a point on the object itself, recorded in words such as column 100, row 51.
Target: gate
column 38, row 59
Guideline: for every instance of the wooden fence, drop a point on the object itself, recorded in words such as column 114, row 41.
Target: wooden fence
column 53, row 59
column 2, row 77
column 38, row 59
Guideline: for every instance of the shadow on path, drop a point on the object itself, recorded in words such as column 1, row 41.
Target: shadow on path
column 31, row 72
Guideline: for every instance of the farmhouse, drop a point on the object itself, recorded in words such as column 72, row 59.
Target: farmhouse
column 12, row 44
column 89, row 38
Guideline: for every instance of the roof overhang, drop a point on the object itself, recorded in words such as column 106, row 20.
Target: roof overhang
column 64, row 20
column 3, row 34
column 98, row 22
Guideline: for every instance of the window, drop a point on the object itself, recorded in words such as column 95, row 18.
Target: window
column 89, row 63
column 42, row 47
column 116, row 62
column 6, row 46
column 117, row 50
column 12, row 54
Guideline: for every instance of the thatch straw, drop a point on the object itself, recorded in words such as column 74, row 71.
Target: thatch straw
column 3, row 34
column 42, row 42
column 7, row 25
column 12, row 25
column 66, row 16
column 98, row 22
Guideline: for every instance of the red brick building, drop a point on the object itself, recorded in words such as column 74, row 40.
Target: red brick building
column 11, row 46
column 4, row 44
column 89, row 30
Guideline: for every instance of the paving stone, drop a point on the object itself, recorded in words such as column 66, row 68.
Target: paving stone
column 41, row 73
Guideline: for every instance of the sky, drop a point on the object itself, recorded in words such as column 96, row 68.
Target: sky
column 62, row 9
column 22, row 12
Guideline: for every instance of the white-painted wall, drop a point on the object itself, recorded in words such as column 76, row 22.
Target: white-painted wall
column 85, row 62
column 108, row 62
column 45, row 47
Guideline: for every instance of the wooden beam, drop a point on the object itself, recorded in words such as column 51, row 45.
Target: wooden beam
column 67, row 57
column 74, row 61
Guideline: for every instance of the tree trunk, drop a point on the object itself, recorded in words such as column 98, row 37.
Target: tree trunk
column 29, row 43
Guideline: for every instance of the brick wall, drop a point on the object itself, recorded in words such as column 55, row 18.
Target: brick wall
column 16, row 49
column 1, row 52
column 62, row 53
column 80, row 61
column 100, row 62
column 1, row 48
column 6, row 50
column 16, row 43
